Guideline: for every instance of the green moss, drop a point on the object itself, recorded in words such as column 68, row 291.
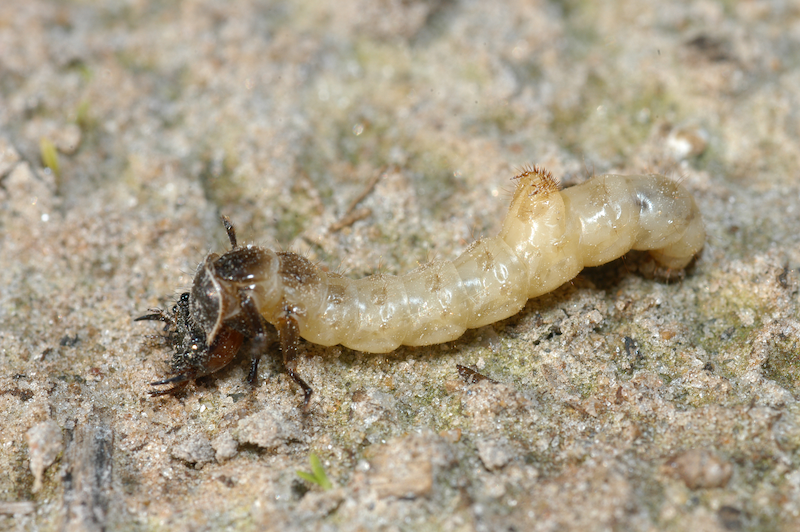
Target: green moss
column 430, row 167
column 291, row 224
column 226, row 185
column 49, row 156
column 83, row 69
column 610, row 119
column 84, row 118
column 217, row 180
column 497, row 120
column 783, row 364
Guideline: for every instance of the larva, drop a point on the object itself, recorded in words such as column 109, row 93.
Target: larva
column 549, row 235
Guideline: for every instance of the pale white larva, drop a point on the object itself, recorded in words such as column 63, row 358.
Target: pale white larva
column 548, row 237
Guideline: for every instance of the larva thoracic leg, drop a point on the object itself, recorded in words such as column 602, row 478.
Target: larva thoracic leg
column 548, row 236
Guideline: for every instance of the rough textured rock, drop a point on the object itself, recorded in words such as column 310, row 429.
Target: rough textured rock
column 283, row 115
column 700, row 468
column 266, row 429
column 225, row 446
column 194, row 449
column 406, row 467
column 494, row 453
column 44, row 445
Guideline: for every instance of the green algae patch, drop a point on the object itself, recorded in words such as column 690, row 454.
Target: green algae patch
column 783, row 363
column 611, row 120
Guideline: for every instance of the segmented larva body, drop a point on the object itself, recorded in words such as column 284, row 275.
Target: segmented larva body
column 548, row 237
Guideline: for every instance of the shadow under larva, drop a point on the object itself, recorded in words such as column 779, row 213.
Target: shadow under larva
column 247, row 295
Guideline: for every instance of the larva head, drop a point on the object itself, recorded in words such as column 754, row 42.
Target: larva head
column 187, row 338
column 208, row 325
column 212, row 324
column 200, row 329
column 193, row 356
column 196, row 352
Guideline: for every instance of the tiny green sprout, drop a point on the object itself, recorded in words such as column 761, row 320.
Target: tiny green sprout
column 317, row 475
column 49, row 155
column 82, row 116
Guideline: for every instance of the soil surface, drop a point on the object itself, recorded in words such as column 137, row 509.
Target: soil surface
column 372, row 136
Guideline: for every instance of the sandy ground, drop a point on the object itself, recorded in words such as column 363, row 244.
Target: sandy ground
column 620, row 401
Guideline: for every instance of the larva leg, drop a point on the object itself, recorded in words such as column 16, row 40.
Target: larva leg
column 179, row 381
column 261, row 336
column 255, row 357
column 289, row 334
column 157, row 315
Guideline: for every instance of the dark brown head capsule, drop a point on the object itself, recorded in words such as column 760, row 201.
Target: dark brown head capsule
column 220, row 315
column 195, row 352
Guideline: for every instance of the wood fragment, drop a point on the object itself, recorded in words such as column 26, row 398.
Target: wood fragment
column 88, row 473
column 351, row 215
column 471, row 376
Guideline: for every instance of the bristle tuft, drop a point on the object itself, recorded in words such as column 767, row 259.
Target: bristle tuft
column 537, row 177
